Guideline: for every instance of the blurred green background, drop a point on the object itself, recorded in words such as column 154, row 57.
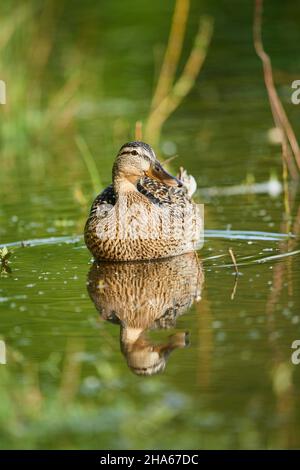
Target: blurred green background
column 89, row 69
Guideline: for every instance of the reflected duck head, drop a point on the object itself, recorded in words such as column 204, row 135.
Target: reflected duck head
column 146, row 358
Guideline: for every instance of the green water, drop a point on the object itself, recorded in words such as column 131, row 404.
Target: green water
column 89, row 68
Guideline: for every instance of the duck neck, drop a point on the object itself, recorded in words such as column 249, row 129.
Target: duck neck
column 124, row 185
column 130, row 335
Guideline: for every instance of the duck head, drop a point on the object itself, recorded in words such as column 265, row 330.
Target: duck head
column 136, row 160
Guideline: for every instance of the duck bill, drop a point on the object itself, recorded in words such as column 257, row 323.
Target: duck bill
column 157, row 172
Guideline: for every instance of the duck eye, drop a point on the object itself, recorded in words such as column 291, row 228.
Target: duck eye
column 134, row 152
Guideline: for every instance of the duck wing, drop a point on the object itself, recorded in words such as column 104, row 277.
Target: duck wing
column 161, row 194
column 156, row 191
column 103, row 201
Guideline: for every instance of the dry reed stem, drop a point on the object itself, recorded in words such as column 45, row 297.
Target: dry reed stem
column 32, row 396
column 173, row 52
column 279, row 115
column 184, row 84
column 71, row 371
column 236, row 273
column 234, row 288
column 138, row 135
column 89, row 161
column 279, row 272
column 169, row 160
column 234, row 261
column 206, row 344
column 10, row 26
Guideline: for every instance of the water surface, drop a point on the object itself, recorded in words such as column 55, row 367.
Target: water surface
column 227, row 380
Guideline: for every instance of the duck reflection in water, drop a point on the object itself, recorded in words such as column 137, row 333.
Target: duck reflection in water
column 146, row 295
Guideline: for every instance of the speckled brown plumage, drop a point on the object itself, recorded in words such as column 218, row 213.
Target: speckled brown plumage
column 143, row 236
column 143, row 295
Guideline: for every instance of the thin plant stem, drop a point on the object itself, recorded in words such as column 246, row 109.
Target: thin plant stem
column 89, row 162
column 234, row 261
column 234, row 288
column 71, row 372
column 173, row 52
column 287, row 206
column 138, row 135
column 185, row 82
column 236, row 273
column 279, row 114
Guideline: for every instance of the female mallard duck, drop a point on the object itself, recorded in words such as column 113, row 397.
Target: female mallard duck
column 146, row 213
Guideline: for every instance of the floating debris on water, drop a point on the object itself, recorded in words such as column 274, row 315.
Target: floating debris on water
column 5, row 254
column 273, row 187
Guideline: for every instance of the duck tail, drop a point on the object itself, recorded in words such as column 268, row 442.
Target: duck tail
column 188, row 181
